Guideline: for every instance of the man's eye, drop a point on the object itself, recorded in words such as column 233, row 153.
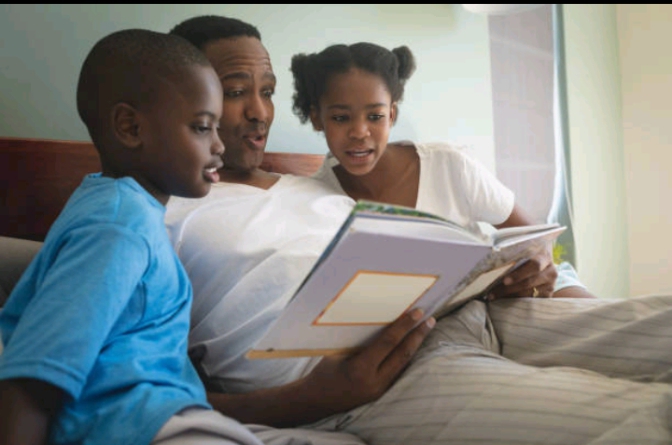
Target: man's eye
column 234, row 93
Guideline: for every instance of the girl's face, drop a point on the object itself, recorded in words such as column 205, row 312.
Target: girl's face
column 356, row 114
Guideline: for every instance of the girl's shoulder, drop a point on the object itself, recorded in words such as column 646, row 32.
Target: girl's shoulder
column 434, row 150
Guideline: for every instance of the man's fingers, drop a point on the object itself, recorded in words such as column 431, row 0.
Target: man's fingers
column 399, row 358
column 391, row 337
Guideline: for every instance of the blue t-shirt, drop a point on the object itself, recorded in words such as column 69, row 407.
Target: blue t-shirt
column 102, row 312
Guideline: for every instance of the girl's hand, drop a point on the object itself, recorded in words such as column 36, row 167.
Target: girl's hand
column 535, row 278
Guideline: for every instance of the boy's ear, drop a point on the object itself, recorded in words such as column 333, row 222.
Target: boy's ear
column 126, row 125
column 393, row 113
column 315, row 119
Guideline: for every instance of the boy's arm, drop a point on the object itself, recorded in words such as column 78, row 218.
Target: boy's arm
column 337, row 384
column 26, row 409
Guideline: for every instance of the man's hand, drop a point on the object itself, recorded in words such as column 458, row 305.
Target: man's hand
column 345, row 382
column 336, row 384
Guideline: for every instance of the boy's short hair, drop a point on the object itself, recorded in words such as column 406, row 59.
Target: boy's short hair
column 206, row 28
column 124, row 67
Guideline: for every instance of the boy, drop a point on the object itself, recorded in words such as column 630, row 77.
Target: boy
column 95, row 332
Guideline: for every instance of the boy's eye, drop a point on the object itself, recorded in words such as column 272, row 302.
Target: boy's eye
column 201, row 129
column 376, row 117
column 233, row 93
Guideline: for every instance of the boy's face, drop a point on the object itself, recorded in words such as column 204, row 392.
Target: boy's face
column 248, row 84
column 181, row 149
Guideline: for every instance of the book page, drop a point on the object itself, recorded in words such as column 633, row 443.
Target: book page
column 510, row 233
column 378, row 210
column 375, row 298
column 476, row 287
column 414, row 229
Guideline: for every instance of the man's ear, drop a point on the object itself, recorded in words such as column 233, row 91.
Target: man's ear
column 315, row 119
column 393, row 113
column 126, row 125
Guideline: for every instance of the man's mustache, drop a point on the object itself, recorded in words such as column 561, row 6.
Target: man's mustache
column 257, row 128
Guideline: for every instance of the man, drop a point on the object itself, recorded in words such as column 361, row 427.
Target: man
column 244, row 268
column 244, row 68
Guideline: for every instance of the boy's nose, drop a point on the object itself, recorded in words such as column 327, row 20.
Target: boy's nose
column 217, row 145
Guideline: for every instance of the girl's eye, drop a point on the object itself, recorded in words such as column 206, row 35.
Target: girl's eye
column 339, row 118
column 376, row 117
column 268, row 93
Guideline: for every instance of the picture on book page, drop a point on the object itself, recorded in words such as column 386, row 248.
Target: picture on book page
column 375, row 298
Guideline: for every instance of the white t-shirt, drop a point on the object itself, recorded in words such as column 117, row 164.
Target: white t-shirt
column 246, row 250
column 452, row 185
column 458, row 188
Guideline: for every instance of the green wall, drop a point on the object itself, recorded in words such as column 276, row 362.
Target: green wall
column 448, row 98
column 596, row 138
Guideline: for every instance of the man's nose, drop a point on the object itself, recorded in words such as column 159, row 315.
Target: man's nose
column 257, row 108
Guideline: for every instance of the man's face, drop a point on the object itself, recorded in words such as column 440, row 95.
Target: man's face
column 248, row 83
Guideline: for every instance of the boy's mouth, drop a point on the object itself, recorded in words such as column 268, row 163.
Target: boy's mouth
column 211, row 174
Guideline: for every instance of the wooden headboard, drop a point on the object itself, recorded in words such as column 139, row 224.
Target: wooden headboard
column 37, row 176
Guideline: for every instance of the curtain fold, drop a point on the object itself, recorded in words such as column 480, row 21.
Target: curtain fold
column 561, row 208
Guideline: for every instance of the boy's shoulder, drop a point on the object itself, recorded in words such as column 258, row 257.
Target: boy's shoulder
column 115, row 202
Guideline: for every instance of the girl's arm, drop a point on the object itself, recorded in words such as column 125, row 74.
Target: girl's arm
column 539, row 272
column 27, row 407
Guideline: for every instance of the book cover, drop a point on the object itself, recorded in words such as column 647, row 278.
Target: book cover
column 383, row 261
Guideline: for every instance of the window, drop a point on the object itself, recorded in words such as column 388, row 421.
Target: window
column 521, row 52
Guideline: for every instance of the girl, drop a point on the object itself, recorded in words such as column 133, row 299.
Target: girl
column 351, row 93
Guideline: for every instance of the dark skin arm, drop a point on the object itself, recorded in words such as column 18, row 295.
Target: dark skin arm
column 539, row 272
column 573, row 292
column 337, row 384
column 27, row 407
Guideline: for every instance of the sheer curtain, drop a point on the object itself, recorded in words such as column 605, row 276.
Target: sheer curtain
column 530, row 114
column 561, row 209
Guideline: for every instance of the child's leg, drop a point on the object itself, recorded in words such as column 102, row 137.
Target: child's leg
column 629, row 338
column 204, row 427
column 302, row 436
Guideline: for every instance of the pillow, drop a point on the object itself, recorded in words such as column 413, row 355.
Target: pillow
column 16, row 256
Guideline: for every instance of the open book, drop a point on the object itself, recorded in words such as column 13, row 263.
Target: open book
column 388, row 259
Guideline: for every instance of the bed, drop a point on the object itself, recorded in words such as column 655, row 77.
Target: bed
column 38, row 175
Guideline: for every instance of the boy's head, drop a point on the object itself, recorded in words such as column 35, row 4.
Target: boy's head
column 244, row 68
column 152, row 104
